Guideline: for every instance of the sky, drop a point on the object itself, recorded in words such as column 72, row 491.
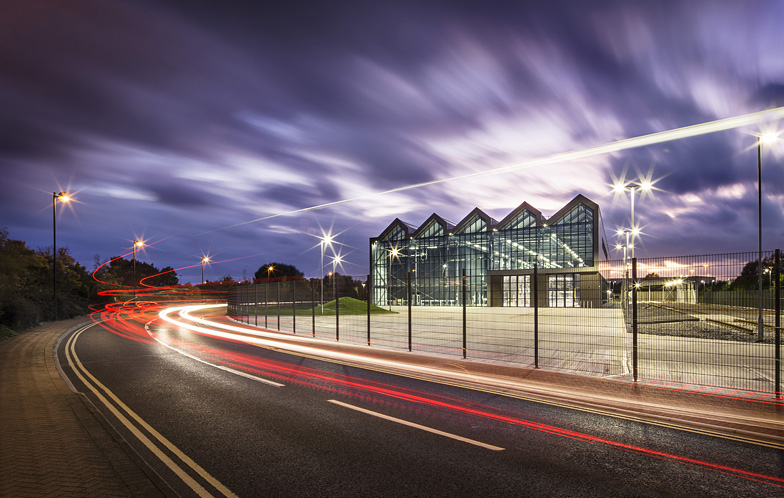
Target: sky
column 182, row 122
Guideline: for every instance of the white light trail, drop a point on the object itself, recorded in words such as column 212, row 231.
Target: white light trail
column 289, row 344
column 768, row 116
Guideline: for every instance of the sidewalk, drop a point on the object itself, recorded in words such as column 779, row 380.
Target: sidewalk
column 51, row 444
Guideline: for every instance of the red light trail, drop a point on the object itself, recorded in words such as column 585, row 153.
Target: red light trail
column 128, row 321
column 366, row 390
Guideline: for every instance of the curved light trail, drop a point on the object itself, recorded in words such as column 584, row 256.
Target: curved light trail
column 356, row 387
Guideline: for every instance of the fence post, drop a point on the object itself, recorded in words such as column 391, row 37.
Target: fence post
column 266, row 302
column 408, row 278
column 777, row 322
column 634, row 318
column 337, row 306
column 536, row 315
column 369, row 293
column 465, row 323
column 313, row 306
column 294, row 307
column 256, row 304
column 277, row 302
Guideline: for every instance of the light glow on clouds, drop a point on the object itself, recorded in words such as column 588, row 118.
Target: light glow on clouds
column 221, row 116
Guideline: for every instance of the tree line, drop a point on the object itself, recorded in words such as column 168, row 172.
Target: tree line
column 334, row 285
column 26, row 283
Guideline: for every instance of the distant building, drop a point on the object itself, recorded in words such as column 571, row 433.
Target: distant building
column 498, row 258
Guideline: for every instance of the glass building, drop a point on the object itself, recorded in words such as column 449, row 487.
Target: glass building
column 498, row 258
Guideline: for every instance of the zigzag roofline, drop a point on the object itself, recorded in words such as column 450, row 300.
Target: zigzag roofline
column 492, row 224
column 445, row 224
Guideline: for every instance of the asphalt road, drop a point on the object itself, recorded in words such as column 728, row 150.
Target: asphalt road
column 280, row 424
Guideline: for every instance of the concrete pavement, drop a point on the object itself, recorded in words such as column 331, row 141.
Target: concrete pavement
column 51, row 442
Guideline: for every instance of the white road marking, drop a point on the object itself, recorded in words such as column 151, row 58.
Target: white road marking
column 219, row 367
column 79, row 369
column 417, row 426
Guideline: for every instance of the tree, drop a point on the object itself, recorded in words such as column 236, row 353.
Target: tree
column 120, row 272
column 652, row 275
column 167, row 278
column 26, row 285
column 275, row 270
column 748, row 279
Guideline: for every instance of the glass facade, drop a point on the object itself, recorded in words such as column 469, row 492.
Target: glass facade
column 438, row 253
column 517, row 290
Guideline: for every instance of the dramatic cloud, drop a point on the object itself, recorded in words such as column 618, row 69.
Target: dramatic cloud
column 176, row 121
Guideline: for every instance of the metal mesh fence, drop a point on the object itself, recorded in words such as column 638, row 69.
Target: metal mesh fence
column 695, row 320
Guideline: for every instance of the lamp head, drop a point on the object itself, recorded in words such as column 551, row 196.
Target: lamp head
column 768, row 138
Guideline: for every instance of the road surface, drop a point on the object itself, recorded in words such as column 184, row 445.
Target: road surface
column 223, row 413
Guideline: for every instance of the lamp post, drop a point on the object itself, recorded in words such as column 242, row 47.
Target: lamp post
column 205, row 259
column 335, row 261
column 136, row 243
column 627, row 251
column 325, row 240
column 64, row 197
column 632, row 188
column 393, row 253
column 767, row 138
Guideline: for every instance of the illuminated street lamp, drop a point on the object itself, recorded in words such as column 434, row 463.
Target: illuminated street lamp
column 626, row 248
column 632, row 187
column 393, row 253
column 325, row 241
column 335, row 261
column 204, row 260
column 270, row 269
column 767, row 138
column 64, row 197
column 136, row 243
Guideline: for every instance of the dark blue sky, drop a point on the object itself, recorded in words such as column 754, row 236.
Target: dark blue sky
column 175, row 120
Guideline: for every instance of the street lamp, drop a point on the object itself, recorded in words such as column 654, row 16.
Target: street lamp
column 767, row 138
column 393, row 253
column 325, row 241
column 136, row 243
column 632, row 187
column 205, row 259
column 335, row 261
column 270, row 269
column 627, row 250
column 64, row 197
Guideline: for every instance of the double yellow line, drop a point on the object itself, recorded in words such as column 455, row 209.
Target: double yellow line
column 155, row 442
